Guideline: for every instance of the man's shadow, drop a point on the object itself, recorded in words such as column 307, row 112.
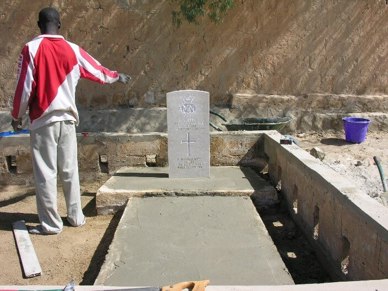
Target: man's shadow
column 7, row 218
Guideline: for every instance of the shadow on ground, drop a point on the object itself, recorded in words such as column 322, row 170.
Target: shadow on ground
column 296, row 252
column 334, row 141
column 98, row 258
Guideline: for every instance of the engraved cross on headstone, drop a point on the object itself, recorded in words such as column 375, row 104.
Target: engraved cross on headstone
column 188, row 141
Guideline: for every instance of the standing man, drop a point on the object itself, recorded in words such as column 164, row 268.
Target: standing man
column 48, row 71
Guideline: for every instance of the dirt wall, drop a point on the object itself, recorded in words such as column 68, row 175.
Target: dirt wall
column 263, row 46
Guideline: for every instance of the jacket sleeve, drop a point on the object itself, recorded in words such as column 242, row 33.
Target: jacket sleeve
column 25, row 84
column 91, row 69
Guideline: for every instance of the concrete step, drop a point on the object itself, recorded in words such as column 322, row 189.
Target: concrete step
column 154, row 181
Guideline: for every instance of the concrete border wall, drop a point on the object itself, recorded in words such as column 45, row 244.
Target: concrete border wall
column 348, row 228
column 102, row 154
column 344, row 286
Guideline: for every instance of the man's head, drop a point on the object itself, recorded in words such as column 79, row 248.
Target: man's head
column 49, row 21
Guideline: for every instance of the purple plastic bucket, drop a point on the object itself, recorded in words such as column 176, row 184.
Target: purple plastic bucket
column 355, row 129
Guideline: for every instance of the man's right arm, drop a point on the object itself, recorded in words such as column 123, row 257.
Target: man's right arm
column 24, row 87
column 91, row 69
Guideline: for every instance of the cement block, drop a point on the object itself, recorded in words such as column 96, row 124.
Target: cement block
column 344, row 215
column 224, row 181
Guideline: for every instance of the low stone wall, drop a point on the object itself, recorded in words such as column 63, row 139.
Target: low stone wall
column 310, row 112
column 102, row 154
column 348, row 228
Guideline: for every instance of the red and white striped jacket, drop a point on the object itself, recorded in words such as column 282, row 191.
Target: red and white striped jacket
column 48, row 72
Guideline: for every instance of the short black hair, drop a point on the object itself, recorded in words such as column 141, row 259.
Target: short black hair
column 49, row 15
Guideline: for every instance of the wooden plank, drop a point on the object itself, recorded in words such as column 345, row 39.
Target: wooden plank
column 26, row 250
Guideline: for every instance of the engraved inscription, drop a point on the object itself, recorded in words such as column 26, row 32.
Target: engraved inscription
column 190, row 123
column 189, row 163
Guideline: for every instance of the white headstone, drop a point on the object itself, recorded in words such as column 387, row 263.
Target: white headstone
column 188, row 134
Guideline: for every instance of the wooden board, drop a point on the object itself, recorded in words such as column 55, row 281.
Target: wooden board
column 31, row 266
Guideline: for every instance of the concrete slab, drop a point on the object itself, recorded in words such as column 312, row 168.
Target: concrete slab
column 372, row 285
column 140, row 182
column 162, row 240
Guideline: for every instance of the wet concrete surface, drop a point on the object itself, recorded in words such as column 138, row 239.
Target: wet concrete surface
column 162, row 240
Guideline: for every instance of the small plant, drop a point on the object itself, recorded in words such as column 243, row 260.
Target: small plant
column 191, row 10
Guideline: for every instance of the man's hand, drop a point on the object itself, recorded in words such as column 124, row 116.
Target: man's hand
column 124, row 78
column 16, row 124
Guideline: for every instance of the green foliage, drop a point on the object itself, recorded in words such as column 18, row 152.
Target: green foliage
column 191, row 10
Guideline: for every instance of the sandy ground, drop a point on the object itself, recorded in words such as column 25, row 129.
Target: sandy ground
column 354, row 161
column 75, row 254
column 78, row 253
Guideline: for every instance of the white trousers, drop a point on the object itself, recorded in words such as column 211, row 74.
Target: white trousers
column 54, row 152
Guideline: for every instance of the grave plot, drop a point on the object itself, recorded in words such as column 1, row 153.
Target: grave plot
column 199, row 224
column 170, row 239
